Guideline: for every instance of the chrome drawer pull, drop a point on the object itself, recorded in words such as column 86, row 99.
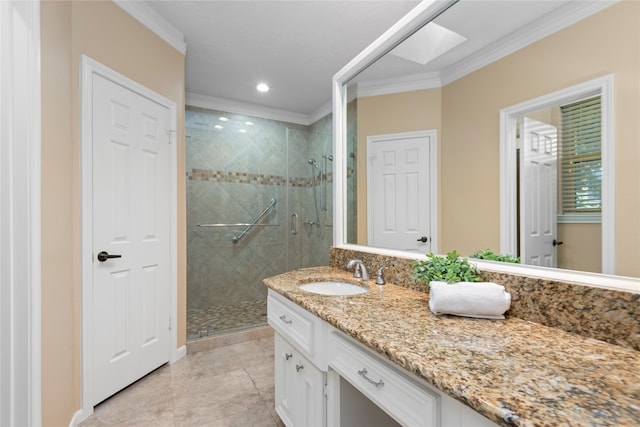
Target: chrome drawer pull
column 285, row 320
column 363, row 374
column 298, row 367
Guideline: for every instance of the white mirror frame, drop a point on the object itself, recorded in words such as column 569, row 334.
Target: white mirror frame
column 414, row 20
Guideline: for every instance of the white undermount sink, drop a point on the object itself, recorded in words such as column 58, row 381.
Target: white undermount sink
column 333, row 288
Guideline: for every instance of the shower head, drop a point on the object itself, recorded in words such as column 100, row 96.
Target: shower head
column 313, row 163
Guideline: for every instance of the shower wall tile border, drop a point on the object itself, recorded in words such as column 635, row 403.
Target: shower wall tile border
column 603, row 314
column 251, row 178
column 235, row 177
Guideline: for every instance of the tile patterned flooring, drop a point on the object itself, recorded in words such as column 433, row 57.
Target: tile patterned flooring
column 231, row 384
column 225, row 318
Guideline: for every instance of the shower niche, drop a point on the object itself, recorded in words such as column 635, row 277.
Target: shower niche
column 259, row 203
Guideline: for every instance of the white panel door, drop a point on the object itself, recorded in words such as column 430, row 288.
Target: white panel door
column 131, row 202
column 399, row 194
column 538, row 193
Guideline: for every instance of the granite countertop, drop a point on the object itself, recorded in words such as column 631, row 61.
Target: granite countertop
column 512, row 371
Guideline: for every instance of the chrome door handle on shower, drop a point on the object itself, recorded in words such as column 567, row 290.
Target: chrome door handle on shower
column 294, row 223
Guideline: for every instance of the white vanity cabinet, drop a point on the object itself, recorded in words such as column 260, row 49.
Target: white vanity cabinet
column 326, row 378
column 299, row 387
column 300, row 363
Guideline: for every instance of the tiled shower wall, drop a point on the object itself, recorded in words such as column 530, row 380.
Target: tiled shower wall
column 234, row 169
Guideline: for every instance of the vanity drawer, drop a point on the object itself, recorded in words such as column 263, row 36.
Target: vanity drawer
column 298, row 326
column 389, row 388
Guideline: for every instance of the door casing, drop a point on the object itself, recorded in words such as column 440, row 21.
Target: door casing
column 89, row 67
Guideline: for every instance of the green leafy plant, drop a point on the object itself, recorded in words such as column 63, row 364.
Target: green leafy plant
column 488, row 254
column 451, row 269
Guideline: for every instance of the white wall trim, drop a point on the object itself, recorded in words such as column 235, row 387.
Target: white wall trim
column 320, row 112
column 89, row 67
column 151, row 19
column 508, row 169
column 231, row 106
column 432, row 134
column 397, row 85
column 77, row 418
column 179, row 353
column 20, row 229
column 579, row 219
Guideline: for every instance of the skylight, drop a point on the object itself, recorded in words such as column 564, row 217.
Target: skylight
column 428, row 43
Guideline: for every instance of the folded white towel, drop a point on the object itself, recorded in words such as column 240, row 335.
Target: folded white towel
column 482, row 299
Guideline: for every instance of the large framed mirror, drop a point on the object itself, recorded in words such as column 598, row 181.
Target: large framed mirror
column 462, row 85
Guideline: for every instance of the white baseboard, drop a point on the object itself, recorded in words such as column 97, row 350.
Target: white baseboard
column 78, row 417
column 178, row 354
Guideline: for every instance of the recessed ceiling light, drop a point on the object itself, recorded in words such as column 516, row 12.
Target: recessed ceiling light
column 262, row 87
column 242, row 131
column 224, row 119
column 218, row 127
column 248, row 123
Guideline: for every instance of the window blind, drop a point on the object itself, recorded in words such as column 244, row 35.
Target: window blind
column 581, row 159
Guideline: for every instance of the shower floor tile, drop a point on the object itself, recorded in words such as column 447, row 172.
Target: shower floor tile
column 225, row 318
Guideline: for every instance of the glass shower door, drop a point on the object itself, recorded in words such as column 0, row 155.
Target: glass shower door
column 236, row 217
column 310, row 194
column 259, row 198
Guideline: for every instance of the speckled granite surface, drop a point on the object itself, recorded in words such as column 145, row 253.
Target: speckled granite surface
column 513, row 371
column 603, row 314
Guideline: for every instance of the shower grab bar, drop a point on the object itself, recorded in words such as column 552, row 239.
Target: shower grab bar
column 249, row 226
column 239, row 224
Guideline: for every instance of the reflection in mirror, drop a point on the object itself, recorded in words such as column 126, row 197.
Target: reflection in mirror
column 460, row 95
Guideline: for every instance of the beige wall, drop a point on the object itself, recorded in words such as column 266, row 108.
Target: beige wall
column 60, row 292
column 107, row 34
column 581, row 247
column 608, row 42
column 394, row 113
column 471, row 132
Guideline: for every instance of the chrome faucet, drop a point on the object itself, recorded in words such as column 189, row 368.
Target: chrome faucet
column 379, row 277
column 360, row 271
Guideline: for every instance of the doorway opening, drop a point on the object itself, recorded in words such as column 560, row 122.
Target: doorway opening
column 510, row 180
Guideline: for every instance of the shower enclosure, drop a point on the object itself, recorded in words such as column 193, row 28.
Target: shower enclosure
column 259, row 203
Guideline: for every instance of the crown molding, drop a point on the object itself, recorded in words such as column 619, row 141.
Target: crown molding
column 563, row 17
column 321, row 112
column 154, row 22
column 394, row 85
column 231, row 106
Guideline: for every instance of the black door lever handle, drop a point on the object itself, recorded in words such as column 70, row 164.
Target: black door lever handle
column 103, row 256
column 423, row 239
column 556, row 243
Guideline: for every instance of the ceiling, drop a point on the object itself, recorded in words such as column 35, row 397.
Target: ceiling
column 294, row 46
column 297, row 46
